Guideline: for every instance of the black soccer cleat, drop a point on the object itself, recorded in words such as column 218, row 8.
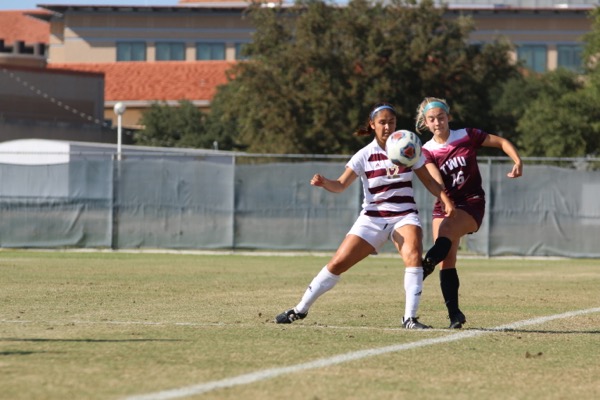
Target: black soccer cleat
column 457, row 320
column 289, row 316
column 413, row 323
column 428, row 267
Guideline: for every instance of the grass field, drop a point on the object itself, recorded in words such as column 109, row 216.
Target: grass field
column 101, row 325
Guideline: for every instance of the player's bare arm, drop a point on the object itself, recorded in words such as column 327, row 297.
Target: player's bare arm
column 436, row 189
column 510, row 150
column 435, row 173
column 334, row 186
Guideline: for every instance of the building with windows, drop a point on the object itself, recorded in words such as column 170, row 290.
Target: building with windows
column 170, row 53
column 546, row 34
column 38, row 102
column 23, row 38
column 150, row 53
column 104, row 34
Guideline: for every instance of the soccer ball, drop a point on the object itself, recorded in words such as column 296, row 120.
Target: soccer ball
column 403, row 148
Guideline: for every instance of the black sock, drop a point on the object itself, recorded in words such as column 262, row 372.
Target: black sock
column 450, row 283
column 439, row 251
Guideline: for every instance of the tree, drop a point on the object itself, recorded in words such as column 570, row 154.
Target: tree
column 592, row 44
column 219, row 124
column 557, row 119
column 166, row 126
column 555, row 114
column 591, row 95
column 519, row 93
column 316, row 69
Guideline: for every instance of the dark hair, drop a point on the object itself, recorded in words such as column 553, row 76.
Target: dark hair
column 366, row 129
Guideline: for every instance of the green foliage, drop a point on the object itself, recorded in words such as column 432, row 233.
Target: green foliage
column 560, row 124
column 316, row 69
column 518, row 94
column 592, row 42
column 480, row 87
column 166, row 126
column 553, row 115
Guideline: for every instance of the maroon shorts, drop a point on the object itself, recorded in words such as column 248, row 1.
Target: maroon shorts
column 474, row 206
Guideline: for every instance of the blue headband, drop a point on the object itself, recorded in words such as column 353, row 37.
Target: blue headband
column 436, row 104
column 384, row 107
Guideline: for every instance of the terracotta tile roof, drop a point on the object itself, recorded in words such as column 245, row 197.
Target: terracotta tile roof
column 157, row 81
column 43, row 70
column 15, row 25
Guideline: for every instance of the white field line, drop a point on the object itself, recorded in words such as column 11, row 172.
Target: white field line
column 343, row 358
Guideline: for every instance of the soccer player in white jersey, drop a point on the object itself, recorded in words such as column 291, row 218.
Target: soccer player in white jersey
column 454, row 154
column 389, row 212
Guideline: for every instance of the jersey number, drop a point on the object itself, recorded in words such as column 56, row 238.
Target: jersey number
column 458, row 178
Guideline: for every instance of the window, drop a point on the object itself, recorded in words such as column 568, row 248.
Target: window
column 534, row 57
column 170, row 51
column 131, row 51
column 239, row 51
column 210, row 51
column 569, row 57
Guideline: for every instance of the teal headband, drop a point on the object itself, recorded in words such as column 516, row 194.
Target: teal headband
column 436, row 104
column 384, row 107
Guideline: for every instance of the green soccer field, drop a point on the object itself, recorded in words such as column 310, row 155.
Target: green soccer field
column 102, row 325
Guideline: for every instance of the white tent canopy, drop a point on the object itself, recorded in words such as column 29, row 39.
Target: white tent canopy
column 45, row 152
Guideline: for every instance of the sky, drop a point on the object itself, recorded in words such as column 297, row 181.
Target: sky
column 31, row 4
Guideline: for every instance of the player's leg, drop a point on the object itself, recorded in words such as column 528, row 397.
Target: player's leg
column 437, row 252
column 449, row 284
column 442, row 243
column 456, row 227
column 408, row 239
column 352, row 250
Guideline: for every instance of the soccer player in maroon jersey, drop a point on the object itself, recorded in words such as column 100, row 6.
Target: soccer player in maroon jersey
column 389, row 212
column 451, row 157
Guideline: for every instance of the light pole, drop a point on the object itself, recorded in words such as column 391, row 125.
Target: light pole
column 119, row 110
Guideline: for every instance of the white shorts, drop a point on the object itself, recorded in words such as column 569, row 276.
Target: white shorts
column 377, row 231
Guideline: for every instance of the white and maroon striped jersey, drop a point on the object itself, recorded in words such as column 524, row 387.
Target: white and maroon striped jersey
column 457, row 161
column 387, row 188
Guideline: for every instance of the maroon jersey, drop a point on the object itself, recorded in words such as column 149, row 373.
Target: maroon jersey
column 457, row 161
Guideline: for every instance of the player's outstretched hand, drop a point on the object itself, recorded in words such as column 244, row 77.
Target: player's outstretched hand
column 517, row 171
column 449, row 209
column 317, row 180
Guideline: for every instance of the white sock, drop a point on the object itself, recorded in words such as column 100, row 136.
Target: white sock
column 413, row 285
column 321, row 283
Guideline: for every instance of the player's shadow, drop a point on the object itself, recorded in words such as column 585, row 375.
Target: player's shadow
column 19, row 353
column 594, row 332
column 87, row 340
column 45, row 340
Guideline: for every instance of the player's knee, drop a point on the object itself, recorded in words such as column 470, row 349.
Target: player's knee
column 448, row 231
column 411, row 256
column 337, row 266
